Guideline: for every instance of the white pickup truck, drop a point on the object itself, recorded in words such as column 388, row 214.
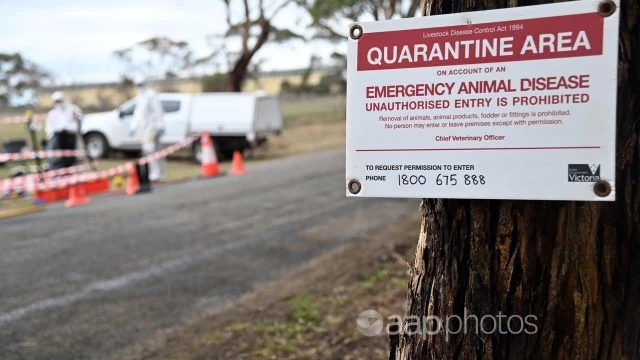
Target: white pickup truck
column 236, row 121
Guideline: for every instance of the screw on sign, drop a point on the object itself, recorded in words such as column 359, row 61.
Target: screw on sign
column 354, row 186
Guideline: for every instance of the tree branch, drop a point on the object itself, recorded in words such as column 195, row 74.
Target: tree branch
column 279, row 8
column 265, row 27
column 374, row 11
column 247, row 27
column 228, row 4
column 413, row 8
column 332, row 34
column 391, row 10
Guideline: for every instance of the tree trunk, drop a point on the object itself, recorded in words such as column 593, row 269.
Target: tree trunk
column 239, row 71
column 238, row 74
column 575, row 266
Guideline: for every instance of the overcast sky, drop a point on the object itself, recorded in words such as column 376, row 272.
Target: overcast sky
column 75, row 39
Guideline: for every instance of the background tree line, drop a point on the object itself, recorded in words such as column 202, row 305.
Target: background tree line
column 250, row 26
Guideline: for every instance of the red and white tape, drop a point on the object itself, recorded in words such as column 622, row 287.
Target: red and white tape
column 21, row 119
column 60, row 172
column 32, row 184
column 19, row 182
column 169, row 150
column 45, row 154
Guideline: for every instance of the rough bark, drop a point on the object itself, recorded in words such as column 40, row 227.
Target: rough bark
column 574, row 265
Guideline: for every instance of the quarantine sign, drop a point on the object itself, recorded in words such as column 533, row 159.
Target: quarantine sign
column 506, row 104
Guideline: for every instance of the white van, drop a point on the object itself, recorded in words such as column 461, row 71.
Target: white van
column 236, row 121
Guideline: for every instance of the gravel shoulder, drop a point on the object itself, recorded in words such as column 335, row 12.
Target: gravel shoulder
column 309, row 314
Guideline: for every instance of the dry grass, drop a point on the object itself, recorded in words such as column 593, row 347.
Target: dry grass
column 304, row 138
column 17, row 131
column 14, row 203
column 311, row 124
column 313, row 109
column 297, row 139
column 309, row 315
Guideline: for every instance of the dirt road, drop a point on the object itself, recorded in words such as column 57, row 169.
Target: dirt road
column 84, row 283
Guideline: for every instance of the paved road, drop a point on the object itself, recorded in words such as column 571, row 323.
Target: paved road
column 86, row 282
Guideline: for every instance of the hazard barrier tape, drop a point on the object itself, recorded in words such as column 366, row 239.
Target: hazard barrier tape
column 14, row 183
column 63, row 171
column 21, row 119
column 164, row 152
column 45, row 154
column 31, row 184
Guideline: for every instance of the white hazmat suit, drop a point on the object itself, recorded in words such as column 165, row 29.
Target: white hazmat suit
column 148, row 123
column 64, row 116
column 61, row 128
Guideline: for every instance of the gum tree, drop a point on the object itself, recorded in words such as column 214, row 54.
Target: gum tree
column 157, row 57
column 329, row 16
column 20, row 79
column 574, row 265
column 253, row 29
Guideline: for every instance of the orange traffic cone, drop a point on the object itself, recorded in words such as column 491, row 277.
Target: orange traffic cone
column 77, row 196
column 209, row 159
column 133, row 182
column 237, row 167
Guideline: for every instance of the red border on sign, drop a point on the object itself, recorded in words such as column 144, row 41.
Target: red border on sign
column 592, row 24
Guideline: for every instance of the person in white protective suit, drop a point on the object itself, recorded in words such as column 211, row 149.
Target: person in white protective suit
column 62, row 126
column 148, row 123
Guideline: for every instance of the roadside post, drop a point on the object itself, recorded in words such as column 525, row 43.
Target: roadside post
column 87, row 156
column 518, row 128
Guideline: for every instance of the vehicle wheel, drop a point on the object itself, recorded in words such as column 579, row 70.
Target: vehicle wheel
column 97, row 146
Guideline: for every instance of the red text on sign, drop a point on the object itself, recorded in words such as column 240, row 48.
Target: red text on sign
column 541, row 38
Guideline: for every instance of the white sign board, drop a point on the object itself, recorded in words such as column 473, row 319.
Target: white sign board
column 506, row 104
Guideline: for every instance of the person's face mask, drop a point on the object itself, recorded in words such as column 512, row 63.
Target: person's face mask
column 57, row 104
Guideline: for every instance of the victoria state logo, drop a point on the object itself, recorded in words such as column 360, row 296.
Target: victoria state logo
column 584, row 172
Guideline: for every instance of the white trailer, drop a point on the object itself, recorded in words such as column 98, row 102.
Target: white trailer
column 236, row 121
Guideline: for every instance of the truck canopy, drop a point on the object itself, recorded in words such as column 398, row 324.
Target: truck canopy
column 235, row 113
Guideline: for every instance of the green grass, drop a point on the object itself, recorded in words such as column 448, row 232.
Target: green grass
column 297, row 322
column 206, row 339
column 372, row 280
column 305, row 309
column 19, row 131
